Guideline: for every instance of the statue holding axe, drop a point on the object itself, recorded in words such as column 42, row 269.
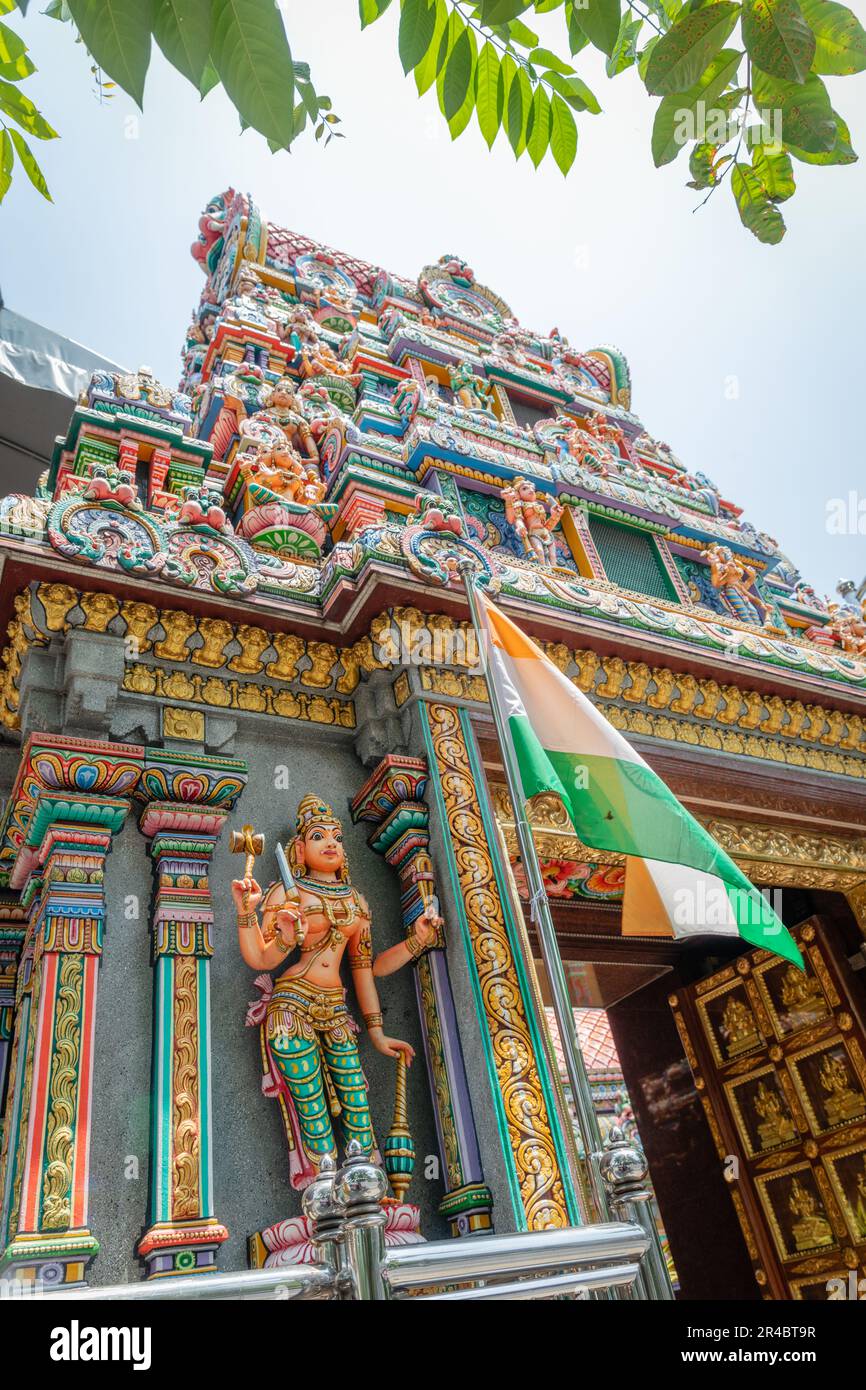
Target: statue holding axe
column 309, row 1040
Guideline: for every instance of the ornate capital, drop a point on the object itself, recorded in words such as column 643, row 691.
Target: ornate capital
column 86, row 782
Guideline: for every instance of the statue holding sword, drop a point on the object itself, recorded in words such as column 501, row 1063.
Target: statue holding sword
column 309, row 1048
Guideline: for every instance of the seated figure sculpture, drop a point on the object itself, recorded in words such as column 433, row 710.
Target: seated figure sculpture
column 308, row 1036
column 283, row 407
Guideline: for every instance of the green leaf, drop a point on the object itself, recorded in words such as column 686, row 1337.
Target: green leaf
column 462, row 116
column 12, row 46
column 7, row 159
column 841, row 153
column 501, row 11
column 515, row 113
column 757, row 212
column 676, row 111
column 645, row 55
column 117, row 35
column 625, row 48
column 251, row 53
column 210, row 79
column 679, row 58
column 702, row 166
column 31, row 168
column 543, row 58
column 371, row 10
column 182, row 30
column 20, row 68
column 776, row 172
column 427, row 69
column 538, row 139
column 417, row 26
column 458, row 75
column 840, row 40
column 563, row 134
column 576, row 37
column 599, row 20
column 519, row 33
column 575, row 92
column 21, row 109
column 778, row 38
column 489, row 93
column 802, row 109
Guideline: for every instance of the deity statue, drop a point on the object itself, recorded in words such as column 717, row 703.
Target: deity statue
column 283, row 407
column 848, row 629
column 811, row 1229
column 802, row 997
column 842, row 1102
column 506, row 348
column 282, row 471
column 738, row 1027
column 309, row 1046
column 589, row 450
column 533, row 518
column 250, row 302
column 860, row 1208
column 776, row 1127
column 734, row 580
column 470, row 391
column 206, row 249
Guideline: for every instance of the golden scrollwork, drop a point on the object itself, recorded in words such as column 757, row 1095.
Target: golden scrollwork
column 63, row 1094
column 529, row 1130
column 185, row 1099
column 655, row 702
column 219, row 693
column 183, row 723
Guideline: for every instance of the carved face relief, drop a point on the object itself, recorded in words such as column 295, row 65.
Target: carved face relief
column 323, row 849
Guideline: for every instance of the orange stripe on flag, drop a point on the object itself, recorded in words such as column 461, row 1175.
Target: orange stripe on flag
column 643, row 912
column 505, row 634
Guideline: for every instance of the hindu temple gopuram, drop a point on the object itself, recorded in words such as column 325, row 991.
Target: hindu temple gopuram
column 261, row 896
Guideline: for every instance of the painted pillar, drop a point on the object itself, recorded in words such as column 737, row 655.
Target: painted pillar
column 63, row 816
column 533, row 1145
column 13, row 926
column 184, row 1234
column 390, row 801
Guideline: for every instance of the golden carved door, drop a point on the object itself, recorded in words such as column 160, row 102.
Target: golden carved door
column 778, row 1062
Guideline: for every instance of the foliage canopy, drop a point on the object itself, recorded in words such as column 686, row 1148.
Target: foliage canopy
column 740, row 82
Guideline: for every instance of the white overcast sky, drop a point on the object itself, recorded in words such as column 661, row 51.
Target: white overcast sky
column 747, row 359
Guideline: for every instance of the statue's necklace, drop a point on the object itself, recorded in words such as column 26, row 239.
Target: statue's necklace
column 340, row 913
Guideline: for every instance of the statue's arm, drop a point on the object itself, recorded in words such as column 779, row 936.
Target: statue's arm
column 261, row 949
column 422, row 935
column 360, row 952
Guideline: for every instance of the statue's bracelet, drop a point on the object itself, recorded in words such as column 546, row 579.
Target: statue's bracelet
column 414, row 946
column 247, row 919
column 372, row 1021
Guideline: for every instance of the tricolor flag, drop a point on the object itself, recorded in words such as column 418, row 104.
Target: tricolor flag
column 679, row 882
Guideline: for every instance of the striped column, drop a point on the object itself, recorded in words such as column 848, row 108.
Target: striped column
column 184, row 1234
column 391, row 801
column 47, row 1187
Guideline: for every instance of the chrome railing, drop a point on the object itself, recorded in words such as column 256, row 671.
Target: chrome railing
column 351, row 1261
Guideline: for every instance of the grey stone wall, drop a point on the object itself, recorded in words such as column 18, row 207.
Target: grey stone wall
column 250, row 1163
column 74, row 686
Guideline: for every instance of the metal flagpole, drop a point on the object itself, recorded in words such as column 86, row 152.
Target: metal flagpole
column 539, row 910
column 654, row 1279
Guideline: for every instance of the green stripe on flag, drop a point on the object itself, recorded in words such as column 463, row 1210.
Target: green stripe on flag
column 624, row 807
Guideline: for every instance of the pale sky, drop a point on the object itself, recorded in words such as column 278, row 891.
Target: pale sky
column 746, row 359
